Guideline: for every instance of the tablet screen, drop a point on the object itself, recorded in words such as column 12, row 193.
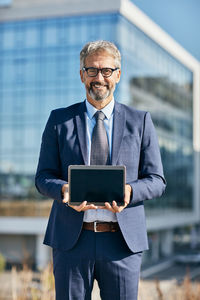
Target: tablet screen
column 96, row 184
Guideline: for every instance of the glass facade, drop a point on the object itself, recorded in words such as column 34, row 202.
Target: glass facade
column 153, row 80
column 39, row 72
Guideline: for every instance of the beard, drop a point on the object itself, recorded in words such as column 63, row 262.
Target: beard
column 99, row 95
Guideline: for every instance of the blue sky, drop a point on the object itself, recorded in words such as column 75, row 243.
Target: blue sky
column 179, row 18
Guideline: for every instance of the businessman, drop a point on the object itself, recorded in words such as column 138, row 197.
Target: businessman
column 91, row 242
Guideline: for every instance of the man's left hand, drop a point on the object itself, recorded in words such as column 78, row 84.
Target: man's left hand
column 114, row 207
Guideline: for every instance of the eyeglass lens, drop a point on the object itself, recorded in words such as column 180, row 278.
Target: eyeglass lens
column 106, row 72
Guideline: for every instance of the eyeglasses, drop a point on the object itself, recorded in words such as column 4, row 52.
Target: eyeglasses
column 106, row 72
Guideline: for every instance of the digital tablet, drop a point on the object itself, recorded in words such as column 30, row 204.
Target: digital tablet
column 96, row 184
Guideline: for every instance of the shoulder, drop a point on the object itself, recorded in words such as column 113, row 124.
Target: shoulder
column 137, row 121
column 70, row 110
column 64, row 114
column 130, row 111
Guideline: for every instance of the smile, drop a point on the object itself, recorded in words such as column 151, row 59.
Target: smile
column 98, row 85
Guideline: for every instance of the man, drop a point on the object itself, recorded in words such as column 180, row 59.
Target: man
column 112, row 255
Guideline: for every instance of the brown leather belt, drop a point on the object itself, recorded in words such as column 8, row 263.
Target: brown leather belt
column 101, row 226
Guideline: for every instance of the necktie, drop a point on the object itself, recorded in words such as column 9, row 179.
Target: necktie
column 99, row 146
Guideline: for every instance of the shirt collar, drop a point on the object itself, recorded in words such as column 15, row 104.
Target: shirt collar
column 107, row 110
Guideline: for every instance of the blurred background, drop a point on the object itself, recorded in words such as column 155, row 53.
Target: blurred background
column 40, row 43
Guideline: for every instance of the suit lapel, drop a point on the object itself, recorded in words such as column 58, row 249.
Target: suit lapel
column 82, row 131
column 118, row 131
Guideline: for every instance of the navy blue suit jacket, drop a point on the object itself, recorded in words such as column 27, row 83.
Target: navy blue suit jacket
column 135, row 145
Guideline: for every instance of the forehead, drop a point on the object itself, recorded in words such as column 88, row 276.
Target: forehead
column 101, row 57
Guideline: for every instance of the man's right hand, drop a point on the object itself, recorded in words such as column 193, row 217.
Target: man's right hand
column 82, row 207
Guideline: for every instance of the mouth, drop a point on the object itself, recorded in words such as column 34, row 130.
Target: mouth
column 98, row 85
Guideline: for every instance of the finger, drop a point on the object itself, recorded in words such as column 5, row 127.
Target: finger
column 86, row 207
column 127, row 194
column 126, row 199
column 114, row 203
column 66, row 197
column 115, row 207
column 79, row 207
column 108, row 207
column 101, row 207
column 91, row 206
column 82, row 205
column 65, row 192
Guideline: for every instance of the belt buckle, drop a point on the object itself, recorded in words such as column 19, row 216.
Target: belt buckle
column 95, row 226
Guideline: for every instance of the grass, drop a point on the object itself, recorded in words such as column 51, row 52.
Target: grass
column 187, row 290
column 28, row 285
column 159, row 290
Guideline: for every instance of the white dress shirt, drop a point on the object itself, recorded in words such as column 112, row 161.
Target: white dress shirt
column 99, row 214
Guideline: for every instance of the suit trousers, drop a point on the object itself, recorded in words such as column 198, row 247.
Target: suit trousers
column 103, row 256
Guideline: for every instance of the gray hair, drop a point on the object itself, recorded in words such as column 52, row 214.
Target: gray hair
column 97, row 46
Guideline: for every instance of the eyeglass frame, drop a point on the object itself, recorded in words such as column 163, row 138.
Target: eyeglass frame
column 99, row 70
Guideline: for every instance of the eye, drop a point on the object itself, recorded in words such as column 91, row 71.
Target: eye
column 106, row 71
column 92, row 71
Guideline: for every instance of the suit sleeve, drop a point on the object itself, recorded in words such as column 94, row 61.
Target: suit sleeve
column 48, row 176
column 151, row 182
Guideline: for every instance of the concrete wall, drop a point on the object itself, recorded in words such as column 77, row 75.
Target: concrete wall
column 23, row 9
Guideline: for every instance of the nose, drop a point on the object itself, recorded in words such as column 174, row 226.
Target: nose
column 99, row 75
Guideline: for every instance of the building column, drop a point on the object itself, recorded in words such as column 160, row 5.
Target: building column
column 166, row 243
column 42, row 256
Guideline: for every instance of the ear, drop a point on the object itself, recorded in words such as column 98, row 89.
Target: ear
column 82, row 75
column 118, row 75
